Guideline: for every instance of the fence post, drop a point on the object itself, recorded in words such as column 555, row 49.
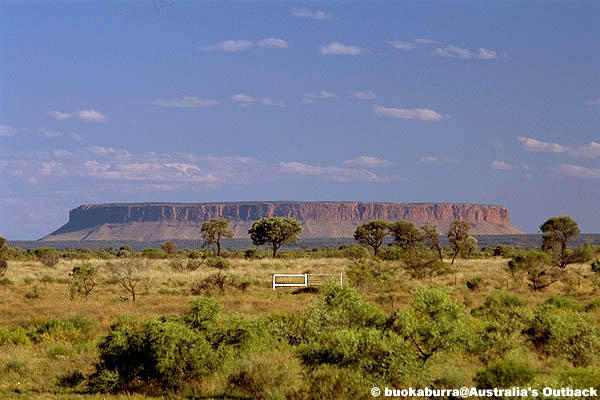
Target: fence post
column 305, row 279
column 274, row 281
column 341, row 280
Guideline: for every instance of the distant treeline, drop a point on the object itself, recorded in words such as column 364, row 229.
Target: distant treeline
column 518, row 241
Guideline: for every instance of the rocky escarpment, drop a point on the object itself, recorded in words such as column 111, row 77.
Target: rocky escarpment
column 161, row 221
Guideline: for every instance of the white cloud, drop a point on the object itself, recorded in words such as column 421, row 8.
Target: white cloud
column 397, row 44
column 273, row 42
column 436, row 159
column 368, row 95
column 91, row 116
column 578, row 171
column 185, row 102
column 62, row 153
column 6, row 130
column 246, row 100
column 59, row 115
column 502, row 165
column 367, row 162
column 457, row 52
column 47, row 133
column 306, row 13
column 118, row 154
column 426, row 41
column 323, row 95
column 336, row 174
column 339, row 49
column 423, row 114
column 590, row 150
column 75, row 137
column 52, row 168
column 229, row 46
column 83, row 115
column 530, row 144
column 592, row 102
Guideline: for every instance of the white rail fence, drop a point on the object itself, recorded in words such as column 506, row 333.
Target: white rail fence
column 304, row 280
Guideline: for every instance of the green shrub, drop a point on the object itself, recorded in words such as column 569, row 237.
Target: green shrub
column 267, row 376
column 74, row 330
column 168, row 354
column 424, row 264
column 382, row 357
column 565, row 333
column 504, row 251
column 561, row 302
column 217, row 262
column 104, row 381
column 331, row 382
column 581, row 378
column 434, row 323
column 60, row 351
column 17, row 336
column 28, row 280
column 154, row 254
column 391, row 253
column 346, row 309
column 504, row 374
column 252, row 254
column 501, row 320
column 204, row 313
column 355, row 252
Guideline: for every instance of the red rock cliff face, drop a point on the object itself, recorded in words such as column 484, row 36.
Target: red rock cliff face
column 90, row 215
column 344, row 215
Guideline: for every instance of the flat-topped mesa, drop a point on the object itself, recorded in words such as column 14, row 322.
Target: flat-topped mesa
column 161, row 221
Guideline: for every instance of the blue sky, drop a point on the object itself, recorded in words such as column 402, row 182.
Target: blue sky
column 481, row 102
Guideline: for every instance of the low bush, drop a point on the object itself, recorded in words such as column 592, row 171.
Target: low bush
column 267, row 376
column 354, row 252
column 47, row 256
column 217, row 262
column 474, row 283
column 504, row 374
column 165, row 354
column 564, row 332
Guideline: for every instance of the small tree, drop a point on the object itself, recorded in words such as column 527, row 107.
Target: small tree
column 129, row 273
column 424, row 264
column 169, row 247
column 47, row 256
column 83, row 280
column 432, row 237
column 213, row 231
column 372, row 234
column 557, row 231
column 3, row 256
column 458, row 233
column 406, row 235
column 277, row 231
column 538, row 267
column 471, row 246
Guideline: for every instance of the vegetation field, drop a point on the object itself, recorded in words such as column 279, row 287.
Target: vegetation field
column 214, row 328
